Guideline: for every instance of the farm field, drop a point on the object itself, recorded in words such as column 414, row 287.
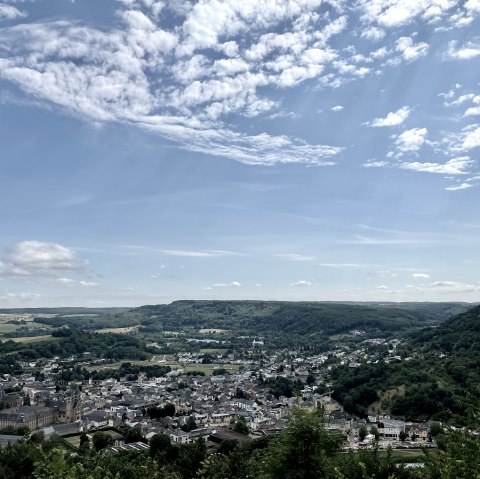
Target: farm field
column 34, row 339
column 130, row 329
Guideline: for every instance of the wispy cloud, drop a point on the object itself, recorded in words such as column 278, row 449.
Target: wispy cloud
column 455, row 166
column 365, row 240
column 233, row 284
column 301, row 284
column 192, row 254
column 294, row 257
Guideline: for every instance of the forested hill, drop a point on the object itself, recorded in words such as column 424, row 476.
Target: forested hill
column 298, row 318
column 439, row 379
column 459, row 335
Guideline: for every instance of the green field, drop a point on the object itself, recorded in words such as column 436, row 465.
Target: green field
column 213, row 350
column 205, row 368
column 404, row 453
column 8, row 328
column 208, row 368
column 34, row 339
column 117, row 364
column 73, row 440
column 130, row 329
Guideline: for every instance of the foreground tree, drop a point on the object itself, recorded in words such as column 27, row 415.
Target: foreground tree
column 303, row 451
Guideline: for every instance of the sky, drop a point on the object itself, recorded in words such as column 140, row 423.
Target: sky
column 152, row 151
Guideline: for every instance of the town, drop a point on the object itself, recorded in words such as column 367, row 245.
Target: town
column 208, row 394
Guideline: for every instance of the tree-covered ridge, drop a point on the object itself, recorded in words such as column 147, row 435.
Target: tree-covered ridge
column 460, row 335
column 299, row 318
column 437, row 373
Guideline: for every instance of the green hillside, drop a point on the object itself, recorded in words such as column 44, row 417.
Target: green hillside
column 297, row 318
column 439, row 379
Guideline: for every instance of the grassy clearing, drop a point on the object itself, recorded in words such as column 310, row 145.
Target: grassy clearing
column 8, row 328
column 130, row 329
column 73, row 440
column 387, row 395
column 205, row 368
column 117, row 364
column 213, row 350
column 34, row 339
column 404, row 453
column 208, row 368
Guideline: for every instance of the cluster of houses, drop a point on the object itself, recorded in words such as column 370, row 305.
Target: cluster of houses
column 205, row 406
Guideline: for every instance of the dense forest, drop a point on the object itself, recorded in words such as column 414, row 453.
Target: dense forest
column 298, row 318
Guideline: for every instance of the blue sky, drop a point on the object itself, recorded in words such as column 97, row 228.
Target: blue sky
column 298, row 150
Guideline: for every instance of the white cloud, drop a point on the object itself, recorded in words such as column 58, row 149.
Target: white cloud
column 7, row 12
column 73, row 282
column 342, row 265
column 29, row 258
column 197, row 254
column 337, row 108
column 468, row 51
column 373, row 33
column 233, row 284
column 461, row 186
column 409, row 50
column 18, row 298
column 410, row 140
column 455, row 166
column 420, row 276
column 126, row 75
column 395, row 13
column 472, row 111
column 454, row 287
column 295, row 257
column 375, row 164
column 301, row 284
column 392, row 119
column 472, row 139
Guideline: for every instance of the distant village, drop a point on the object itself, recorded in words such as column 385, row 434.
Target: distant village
column 204, row 406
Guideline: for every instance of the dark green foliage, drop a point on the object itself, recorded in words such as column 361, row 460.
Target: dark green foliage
column 240, row 426
column 281, row 386
column 17, row 460
column 133, row 434
column 190, row 425
column 303, row 450
column 156, row 412
column 12, row 431
column 159, row 444
column 101, row 440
